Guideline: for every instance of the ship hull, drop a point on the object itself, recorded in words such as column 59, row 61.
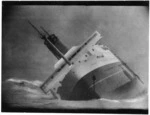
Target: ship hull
column 107, row 79
column 94, row 72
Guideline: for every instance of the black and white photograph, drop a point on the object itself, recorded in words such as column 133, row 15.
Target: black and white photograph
column 76, row 57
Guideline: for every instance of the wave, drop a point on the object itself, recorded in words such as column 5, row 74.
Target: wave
column 22, row 81
column 30, row 89
column 28, row 93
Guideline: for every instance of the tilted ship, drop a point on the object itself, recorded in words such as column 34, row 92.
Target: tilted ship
column 88, row 71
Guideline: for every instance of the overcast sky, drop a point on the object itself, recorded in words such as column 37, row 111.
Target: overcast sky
column 24, row 56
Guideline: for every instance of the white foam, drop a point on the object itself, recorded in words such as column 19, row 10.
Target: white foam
column 36, row 82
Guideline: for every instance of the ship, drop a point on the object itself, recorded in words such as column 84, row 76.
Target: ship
column 88, row 71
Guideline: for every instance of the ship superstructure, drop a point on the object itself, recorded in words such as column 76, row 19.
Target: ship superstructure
column 88, row 71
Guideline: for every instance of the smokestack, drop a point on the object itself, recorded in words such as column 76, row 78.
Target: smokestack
column 53, row 43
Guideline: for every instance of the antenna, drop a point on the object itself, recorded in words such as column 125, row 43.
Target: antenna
column 49, row 42
column 44, row 30
column 35, row 28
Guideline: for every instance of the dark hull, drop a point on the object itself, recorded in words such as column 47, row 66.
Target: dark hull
column 107, row 79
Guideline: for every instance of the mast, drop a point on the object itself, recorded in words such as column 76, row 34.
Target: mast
column 53, row 44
